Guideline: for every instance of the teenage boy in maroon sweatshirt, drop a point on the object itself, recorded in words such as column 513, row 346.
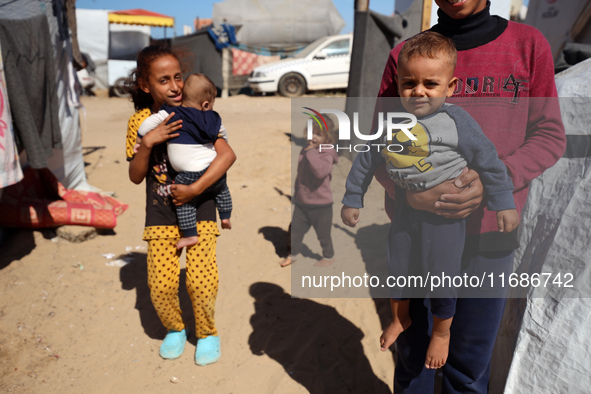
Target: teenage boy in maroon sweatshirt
column 502, row 64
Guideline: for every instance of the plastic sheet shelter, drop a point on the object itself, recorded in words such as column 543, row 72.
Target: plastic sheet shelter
column 551, row 329
column 279, row 23
column 66, row 163
column 141, row 17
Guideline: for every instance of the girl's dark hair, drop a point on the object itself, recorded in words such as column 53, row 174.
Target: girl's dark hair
column 145, row 58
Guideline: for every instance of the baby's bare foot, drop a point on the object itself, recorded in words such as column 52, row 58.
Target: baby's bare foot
column 438, row 350
column 187, row 241
column 391, row 333
column 286, row 261
column 226, row 224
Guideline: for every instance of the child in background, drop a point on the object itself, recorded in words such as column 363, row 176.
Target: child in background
column 158, row 80
column 192, row 152
column 313, row 195
column 448, row 139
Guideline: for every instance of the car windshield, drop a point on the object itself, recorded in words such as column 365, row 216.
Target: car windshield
column 306, row 51
column 336, row 48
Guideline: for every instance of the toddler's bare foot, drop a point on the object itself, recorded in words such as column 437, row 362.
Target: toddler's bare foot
column 391, row 333
column 286, row 261
column 438, row 350
column 187, row 241
column 226, row 224
column 324, row 262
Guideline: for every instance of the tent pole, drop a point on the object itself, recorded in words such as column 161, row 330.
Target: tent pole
column 361, row 5
column 226, row 71
column 581, row 21
column 426, row 18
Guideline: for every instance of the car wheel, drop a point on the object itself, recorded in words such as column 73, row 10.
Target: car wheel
column 120, row 88
column 292, row 85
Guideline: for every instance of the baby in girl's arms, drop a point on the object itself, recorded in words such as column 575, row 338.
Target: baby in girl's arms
column 192, row 152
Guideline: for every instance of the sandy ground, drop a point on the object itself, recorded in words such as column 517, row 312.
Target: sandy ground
column 73, row 320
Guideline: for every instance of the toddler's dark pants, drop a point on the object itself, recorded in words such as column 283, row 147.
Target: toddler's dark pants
column 422, row 244
column 319, row 217
column 473, row 331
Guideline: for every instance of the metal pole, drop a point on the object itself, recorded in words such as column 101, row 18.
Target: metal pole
column 226, row 71
column 426, row 19
column 362, row 5
column 581, row 21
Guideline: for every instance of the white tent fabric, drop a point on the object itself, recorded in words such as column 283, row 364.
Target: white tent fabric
column 279, row 23
column 10, row 168
column 93, row 39
column 66, row 163
column 553, row 349
column 555, row 19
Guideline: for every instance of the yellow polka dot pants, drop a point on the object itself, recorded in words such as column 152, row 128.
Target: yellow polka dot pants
column 201, row 280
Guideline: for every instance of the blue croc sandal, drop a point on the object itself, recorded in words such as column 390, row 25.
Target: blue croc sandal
column 173, row 345
column 208, row 350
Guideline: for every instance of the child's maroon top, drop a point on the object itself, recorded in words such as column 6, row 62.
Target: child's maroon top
column 312, row 185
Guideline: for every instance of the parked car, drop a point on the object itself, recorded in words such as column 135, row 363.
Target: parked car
column 324, row 64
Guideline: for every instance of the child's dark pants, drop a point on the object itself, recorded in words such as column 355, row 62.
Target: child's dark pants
column 306, row 216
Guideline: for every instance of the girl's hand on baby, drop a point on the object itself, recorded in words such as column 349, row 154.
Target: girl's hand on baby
column 350, row 216
column 507, row 220
column 164, row 132
column 181, row 194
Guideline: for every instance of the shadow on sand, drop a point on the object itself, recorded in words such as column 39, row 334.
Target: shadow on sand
column 280, row 240
column 372, row 243
column 15, row 244
column 316, row 346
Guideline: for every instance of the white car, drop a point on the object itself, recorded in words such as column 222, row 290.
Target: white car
column 324, row 64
